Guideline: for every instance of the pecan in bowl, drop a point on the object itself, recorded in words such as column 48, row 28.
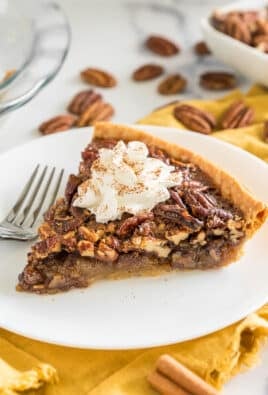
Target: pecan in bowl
column 242, row 25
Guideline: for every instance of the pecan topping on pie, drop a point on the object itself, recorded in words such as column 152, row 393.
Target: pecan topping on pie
column 194, row 217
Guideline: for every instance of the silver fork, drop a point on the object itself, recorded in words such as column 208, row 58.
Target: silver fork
column 20, row 222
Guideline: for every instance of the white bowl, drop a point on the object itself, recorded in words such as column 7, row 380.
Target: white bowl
column 247, row 60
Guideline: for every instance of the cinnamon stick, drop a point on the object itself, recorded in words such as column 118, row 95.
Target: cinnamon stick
column 164, row 385
column 183, row 377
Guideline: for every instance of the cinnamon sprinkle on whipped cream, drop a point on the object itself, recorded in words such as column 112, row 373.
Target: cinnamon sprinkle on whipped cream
column 125, row 179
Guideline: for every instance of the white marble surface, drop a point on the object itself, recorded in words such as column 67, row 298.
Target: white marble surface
column 109, row 34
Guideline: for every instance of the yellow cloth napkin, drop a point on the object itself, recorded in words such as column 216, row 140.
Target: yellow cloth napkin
column 248, row 138
column 216, row 357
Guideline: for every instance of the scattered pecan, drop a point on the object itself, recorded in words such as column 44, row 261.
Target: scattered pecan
column 201, row 49
column 172, row 84
column 162, row 46
column 174, row 213
column 218, row 80
column 237, row 115
column 147, row 72
column 129, row 224
column 98, row 77
column 237, row 28
column 265, row 132
column 82, row 100
column 57, row 124
column 194, row 118
column 97, row 111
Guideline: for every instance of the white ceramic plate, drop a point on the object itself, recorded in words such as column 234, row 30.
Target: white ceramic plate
column 136, row 312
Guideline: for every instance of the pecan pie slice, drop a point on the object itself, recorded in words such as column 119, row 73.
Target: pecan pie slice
column 139, row 206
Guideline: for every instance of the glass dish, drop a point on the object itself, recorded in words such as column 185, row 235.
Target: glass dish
column 34, row 42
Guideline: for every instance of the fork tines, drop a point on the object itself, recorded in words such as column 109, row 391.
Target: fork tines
column 39, row 193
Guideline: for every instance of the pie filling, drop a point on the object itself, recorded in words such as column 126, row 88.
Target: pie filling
column 193, row 228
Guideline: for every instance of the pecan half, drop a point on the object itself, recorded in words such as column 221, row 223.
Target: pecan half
column 147, row 72
column 106, row 253
column 71, row 187
column 97, row 111
column 162, row 46
column 82, row 100
column 237, row 115
column 131, row 223
column 201, row 49
column 57, row 124
column 194, row 118
column 172, row 84
column 265, row 132
column 237, row 28
column 98, row 77
column 218, row 80
column 178, row 215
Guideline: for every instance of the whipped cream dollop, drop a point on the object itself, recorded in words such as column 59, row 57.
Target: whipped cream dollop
column 125, row 179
